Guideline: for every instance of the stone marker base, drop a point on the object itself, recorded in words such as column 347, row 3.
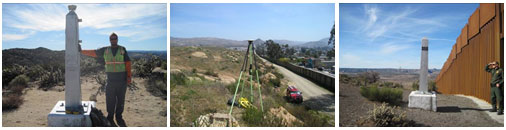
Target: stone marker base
column 426, row 101
column 58, row 118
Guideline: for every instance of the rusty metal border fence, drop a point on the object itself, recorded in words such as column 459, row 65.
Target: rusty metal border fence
column 480, row 42
column 326, row 81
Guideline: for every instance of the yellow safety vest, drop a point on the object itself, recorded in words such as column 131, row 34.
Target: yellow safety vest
column 114, row 63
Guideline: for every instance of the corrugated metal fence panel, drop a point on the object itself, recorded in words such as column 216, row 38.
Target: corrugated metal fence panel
column 487, row 12
column 459, row 44
column 464, row 72
column 474, row 26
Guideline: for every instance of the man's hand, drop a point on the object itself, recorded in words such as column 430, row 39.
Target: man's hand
column 496, row 85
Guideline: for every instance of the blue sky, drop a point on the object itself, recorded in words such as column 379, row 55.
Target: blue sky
column 139, row 26
column 389, row 35
column 298, row 22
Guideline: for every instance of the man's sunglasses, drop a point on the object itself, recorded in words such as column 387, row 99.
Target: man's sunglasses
column 113, row 38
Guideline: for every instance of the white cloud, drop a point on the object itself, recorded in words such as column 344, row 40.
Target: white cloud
column 371, row 13
column 14, row 37
column 128, row 19
column 390, row 48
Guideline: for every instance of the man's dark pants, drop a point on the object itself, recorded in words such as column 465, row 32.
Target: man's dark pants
column 497, row 95
column 115, row 97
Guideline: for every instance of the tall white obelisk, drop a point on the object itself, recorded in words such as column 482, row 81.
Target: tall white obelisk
column 72, row 63
column 422, row 98
column 424, row 66
column 72, row 111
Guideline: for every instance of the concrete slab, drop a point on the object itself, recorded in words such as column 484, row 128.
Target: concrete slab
column 426, row 101
column 486, row 106
column 58, row 118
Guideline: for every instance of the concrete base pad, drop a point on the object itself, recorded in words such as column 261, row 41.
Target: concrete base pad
column 426, row 101
column 58, row 118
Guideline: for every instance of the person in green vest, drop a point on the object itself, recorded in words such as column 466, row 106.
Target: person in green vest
column 496, row 86
column 119, row 75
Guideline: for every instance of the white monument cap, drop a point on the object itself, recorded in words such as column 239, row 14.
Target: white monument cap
column 72, row 7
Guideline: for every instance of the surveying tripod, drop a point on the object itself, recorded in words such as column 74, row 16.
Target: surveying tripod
column 252, row 59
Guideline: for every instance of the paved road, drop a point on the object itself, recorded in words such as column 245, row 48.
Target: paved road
column 315, row 96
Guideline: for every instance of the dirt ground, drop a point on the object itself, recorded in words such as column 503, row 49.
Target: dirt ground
column 141, row 108
column 453, row 111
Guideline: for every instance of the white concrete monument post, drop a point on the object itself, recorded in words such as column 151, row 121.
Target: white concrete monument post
column 72, row 111
column 423, row 98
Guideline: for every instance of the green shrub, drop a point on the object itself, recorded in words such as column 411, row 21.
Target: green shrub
column 20, row 80
column 369, row 77
column 414, row 85
column 386, row 116
column 9, row 73
column 52, row 77
column 311, row 118
column 384, row 94
column 278, row 75
column 164, row 65
column 344, row 78
column 231, row 87
column 157, row 85
column 390, row 85
column 397, row 85
column 178, row 78
column 253, row 117
column 211, row 72
column 143, row 67
column 284, row 60
column 18, row 84
column 12, row 101
column 275, row 82
column 432, row 85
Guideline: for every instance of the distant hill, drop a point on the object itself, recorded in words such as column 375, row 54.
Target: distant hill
column 290, row 43
column 31, row 57
column 324, row 43
column 220, row 42
column 41, row 55
column 145, row 54
column 385, row 71
column 207, row 41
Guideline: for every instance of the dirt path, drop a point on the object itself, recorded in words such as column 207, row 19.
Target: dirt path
column 141, row 108
column 315, row 97
column 453, row 111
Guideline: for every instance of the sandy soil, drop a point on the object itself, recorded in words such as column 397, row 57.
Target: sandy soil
column 141, row 108
column 199, row 54
column 453, row 110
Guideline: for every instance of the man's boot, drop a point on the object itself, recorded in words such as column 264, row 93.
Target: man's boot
column 499, row 112
column 121, row 122
column 494, row 109
column 111, row 120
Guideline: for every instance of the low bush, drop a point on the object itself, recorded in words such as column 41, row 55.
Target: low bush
column 253, row 117
column 51, row 78
column 344, row 78
column 432, row 85
column 12, row 101
column 386, row 116
column 275, row 82
column 310, row 118
column 369, row 77
column 211, row 72
column 18, row 84
column 384, row 94
column 177, row 78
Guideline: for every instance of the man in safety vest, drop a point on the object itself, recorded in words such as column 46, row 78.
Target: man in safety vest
column 119, row 75
column 496, row 86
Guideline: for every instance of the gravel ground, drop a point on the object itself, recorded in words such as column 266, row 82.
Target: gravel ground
column 453, row 111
